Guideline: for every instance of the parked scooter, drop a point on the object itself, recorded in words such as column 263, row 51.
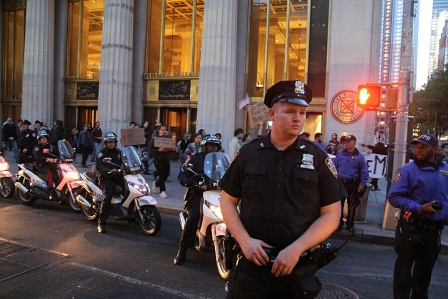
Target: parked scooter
column 31, row 185
column 6, row 182
column 133, row 204
column 212, row 232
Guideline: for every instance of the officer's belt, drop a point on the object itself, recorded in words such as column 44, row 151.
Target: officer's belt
column 352, row 180
column 419, row 220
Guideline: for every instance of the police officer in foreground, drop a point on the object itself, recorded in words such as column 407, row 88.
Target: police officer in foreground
column 109, row 175
column 289, row 194
column 193, row 195
column 420, row 191
column 26, row 141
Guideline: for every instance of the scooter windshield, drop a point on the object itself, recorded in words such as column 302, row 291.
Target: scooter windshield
column 131, row 160
column 216, row 165
column 65, row 151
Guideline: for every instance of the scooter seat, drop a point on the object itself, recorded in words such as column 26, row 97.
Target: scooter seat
column 92, row 177
column 30, row 166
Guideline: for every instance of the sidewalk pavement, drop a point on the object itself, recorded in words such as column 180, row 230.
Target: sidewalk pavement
column 371, row 231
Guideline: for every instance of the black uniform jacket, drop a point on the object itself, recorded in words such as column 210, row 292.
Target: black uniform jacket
column 27, row 139
column 281, row 191
column 42, row 152
column 112, row 155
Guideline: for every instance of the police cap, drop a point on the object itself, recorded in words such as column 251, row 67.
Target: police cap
column 293, row 91
column 26, row 122
column 426, row 139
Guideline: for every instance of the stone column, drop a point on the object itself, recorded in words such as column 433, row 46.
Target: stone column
column 115, row 90
column 138, row 64
column 60, row 60
column 217, row 80
column 38, row 70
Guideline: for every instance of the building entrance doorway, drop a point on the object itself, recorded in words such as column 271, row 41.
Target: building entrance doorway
column 175, row 119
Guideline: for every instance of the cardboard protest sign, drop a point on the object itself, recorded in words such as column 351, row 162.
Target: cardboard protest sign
column 258, row 112
column 135, row 136
column 164, row 142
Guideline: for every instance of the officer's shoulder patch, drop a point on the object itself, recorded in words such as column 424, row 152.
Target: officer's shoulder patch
column 397, row 177
column 36, row 149
column 100, row 154
column 331, row 167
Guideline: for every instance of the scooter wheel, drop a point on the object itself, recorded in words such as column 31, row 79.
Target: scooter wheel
column 152, row 221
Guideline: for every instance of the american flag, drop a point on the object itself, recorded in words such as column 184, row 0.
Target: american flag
column 243, row 102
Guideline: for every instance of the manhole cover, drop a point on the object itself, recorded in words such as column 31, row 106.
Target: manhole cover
column 334, row 291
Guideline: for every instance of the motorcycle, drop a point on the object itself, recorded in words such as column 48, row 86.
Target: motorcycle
column 31, row 185
column 133, row 204
column 212, row 234
column 6, row 182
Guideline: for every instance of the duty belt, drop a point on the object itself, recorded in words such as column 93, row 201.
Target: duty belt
column 427, row 223
column 352, row 180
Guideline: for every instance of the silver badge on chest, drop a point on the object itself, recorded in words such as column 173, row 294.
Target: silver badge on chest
column 307, row 161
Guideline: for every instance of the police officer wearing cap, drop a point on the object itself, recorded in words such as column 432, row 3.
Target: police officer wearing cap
column 289, row 193
column 26, row 142
column 354, row 173
column 420, row 191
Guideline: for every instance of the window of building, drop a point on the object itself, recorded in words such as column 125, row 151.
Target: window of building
column 174, row 37
column 85, row 26
column 13, row 51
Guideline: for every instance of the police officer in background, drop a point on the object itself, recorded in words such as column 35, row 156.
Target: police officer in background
column 289, row 194
column 45, row 157
column 26, row 141
column 193, row 195
column 109, row 175
column 354, row 173
column 420, row 191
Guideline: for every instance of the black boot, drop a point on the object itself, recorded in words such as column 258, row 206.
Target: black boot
column 181, row 256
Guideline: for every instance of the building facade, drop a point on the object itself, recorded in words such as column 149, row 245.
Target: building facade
column 187, row 63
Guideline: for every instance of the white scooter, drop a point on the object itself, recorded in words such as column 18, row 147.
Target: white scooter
column 132, row 204
column 31, row 185
column 6, row 182
column 212, row 232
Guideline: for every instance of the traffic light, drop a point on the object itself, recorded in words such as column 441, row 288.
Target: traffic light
column 369, row 96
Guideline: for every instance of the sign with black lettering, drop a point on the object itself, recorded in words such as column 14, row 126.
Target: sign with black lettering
column 258, row 112
column 377, row 165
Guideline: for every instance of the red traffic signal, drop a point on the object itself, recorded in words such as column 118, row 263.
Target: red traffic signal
column 369, row 96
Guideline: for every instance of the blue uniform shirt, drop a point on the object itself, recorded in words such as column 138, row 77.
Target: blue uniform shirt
column 418, row 183
column 352, row 165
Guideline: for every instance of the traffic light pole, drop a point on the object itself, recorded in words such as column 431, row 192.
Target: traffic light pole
column 404, row 91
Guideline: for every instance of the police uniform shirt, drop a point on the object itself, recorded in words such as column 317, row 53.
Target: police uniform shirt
column 104, row 168
column 417, row 183
column 281, row 191
column 352, row 165
column 42, row 152
column 26, row 140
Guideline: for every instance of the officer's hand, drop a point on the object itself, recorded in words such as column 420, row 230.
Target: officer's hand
column 285, row 262
column 360, row 188
column 427, row 208
column 113, row 170
column 253, row 251
column 24, row 150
